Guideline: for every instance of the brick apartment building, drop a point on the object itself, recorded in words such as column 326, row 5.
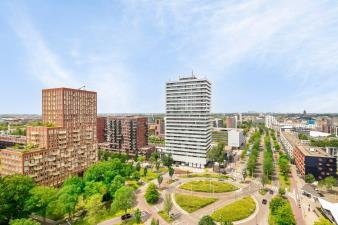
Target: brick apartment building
column 314, row 161
column 123, row 134
column 156, row 128
column 10, row 140
column 66, row 143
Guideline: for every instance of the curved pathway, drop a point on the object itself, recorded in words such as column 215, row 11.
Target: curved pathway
column 223, row 199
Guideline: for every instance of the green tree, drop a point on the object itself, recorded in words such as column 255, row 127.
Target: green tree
column 117, row 183
column 154, row 158
column 94, row 207
column 41, row 197
column 92, row 188
column 154, row 222
column 276, row 203
column 309, row 178
column 206, row 220
column 167, row 204
column 137, row 216
column 136, row 176
column 157, row 165
column 124, row 199
column 138, row 166
column 323, row 221
column 330, row 182
column 284, row 216
column 145, row 171
column 167, row 160
column 281, row 191
column 23, row 222
column 171, row 172
column 159, row 180
column 216, row 154
column 68, row 198
column 227, row 223
column 152, row 195
column 15, row 191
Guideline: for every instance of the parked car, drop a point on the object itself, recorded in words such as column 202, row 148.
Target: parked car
column 126, row 216
column 271, row 192
column 264, row 201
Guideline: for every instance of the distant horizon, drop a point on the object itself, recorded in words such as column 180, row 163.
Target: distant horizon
column 212, row 113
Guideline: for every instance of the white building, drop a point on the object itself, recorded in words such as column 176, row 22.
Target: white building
column 236, row 138
column 270, row 121
column 188, row 121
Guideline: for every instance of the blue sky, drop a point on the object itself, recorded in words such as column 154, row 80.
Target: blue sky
column 268, row 56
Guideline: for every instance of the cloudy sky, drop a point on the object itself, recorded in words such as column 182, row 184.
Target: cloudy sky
column 267, row 56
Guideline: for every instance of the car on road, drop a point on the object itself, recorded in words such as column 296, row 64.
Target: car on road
column 264, row 201
column 126, row 216
column 271, row 192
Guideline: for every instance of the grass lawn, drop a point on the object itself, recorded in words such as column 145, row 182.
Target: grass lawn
column 132, row 183
column 102, row 217
column 235, row 211
column 130, row 222
column 207, row 175
column 208, row 186
column 282, row 182
column 165, row 216
column 151, row 175
column 192, row 203
column 263, row 191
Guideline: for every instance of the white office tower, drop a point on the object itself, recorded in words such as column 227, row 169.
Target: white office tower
column 188, row 121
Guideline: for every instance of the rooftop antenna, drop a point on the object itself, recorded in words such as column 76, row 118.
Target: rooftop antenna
column 82, row 88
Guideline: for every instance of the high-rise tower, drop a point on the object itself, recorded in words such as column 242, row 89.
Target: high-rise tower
column 188, row 121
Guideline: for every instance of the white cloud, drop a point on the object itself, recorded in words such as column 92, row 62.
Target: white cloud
column 295, row 38
column 100, row 73
column 43, row 63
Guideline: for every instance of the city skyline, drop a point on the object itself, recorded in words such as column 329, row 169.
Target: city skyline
column 259, row 56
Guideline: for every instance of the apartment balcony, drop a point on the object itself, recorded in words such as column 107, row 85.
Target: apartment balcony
column 62, row 142
column 56, row 173
column 55, row 153
column 37, row 157
column 33, row 175
column 37, row 168
column 38, row 179
column 33, row 164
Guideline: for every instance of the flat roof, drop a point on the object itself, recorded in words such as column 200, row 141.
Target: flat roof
column 313, row 151
column 291, row 138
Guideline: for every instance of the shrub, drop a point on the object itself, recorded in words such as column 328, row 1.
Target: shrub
column 152, row 195
column 206, row 220
column 281, row 212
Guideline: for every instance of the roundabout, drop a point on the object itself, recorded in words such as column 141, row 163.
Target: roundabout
column 223, row 200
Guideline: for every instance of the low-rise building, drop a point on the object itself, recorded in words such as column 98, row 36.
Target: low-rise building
column 314, row 161
column 10, row 140
column 289, row 141
column 217, row 123
column 236, row 138
column 220, row 135
column 231, row 122
column 157, row 128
